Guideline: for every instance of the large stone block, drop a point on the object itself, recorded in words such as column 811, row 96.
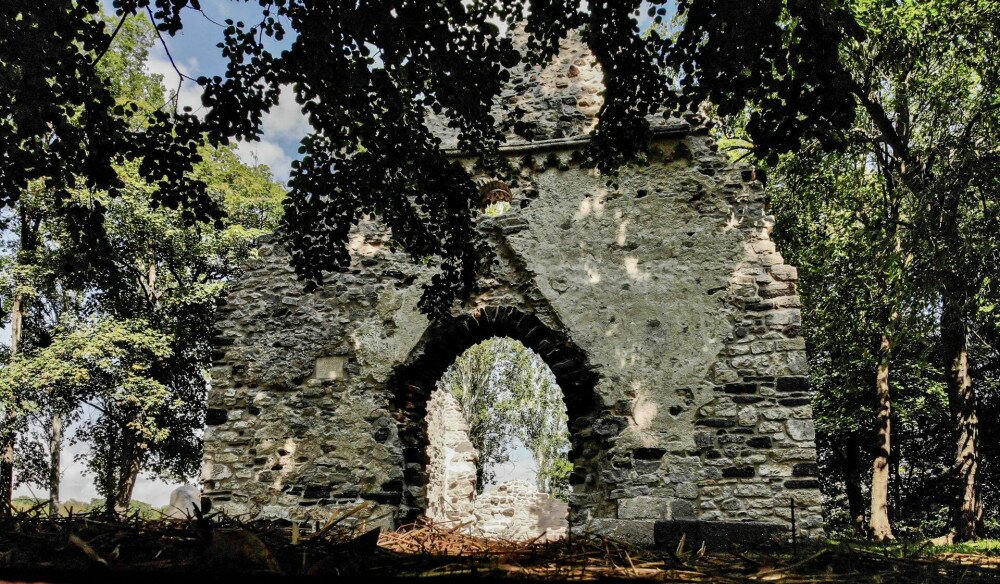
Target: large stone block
column 634, row 532
column 801, row 430
column 330, row 368
column 644, row 508
column 717, row 535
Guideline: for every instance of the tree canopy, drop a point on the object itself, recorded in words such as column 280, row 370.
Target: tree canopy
column 117, row 321
column 895, row 236
column 367, row 74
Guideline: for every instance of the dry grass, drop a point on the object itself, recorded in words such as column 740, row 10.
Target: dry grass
column 218, row 548
column 593, row 558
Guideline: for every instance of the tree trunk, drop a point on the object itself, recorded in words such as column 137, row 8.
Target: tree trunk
column 9, row 440
column 895, row 480
column 852, row 483
column 126, row 484
column 6, row 474
column 967, row 505
column 881, row 528
column 28, row 235
column 967, row 508
column 123, row 477
column 55, row 462
column 541, row 481
column 123, row 461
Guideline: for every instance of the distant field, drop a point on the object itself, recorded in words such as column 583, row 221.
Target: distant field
column 145, row 510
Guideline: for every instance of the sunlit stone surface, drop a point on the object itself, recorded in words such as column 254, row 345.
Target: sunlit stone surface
column 662, row 307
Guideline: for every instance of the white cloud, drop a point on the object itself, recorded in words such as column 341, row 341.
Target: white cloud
column 266, row 152
column 190, row 92
column 286, row 121
column 154, row 492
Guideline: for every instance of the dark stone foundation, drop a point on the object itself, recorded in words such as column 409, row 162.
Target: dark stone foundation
column 717, row 536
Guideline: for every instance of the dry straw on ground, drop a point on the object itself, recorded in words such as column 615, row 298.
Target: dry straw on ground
column 38, row 548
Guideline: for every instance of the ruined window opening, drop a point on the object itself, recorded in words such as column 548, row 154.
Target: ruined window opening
column 498, row 444
column 496, row 198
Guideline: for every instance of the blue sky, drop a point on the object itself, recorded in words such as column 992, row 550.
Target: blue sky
column 195, row 53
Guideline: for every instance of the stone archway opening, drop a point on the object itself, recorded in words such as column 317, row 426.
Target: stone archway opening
column 590, row 423
column 498, row 445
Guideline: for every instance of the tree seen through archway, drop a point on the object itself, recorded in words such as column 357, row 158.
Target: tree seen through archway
column 510, row 398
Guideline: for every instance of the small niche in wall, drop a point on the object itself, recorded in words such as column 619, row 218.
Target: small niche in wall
column 330, row 368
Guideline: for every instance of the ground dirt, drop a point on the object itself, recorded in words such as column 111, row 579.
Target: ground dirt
column 218, row 549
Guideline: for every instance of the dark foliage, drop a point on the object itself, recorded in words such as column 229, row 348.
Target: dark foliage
column 367, row 74
column 59, row 120
column 216, row 548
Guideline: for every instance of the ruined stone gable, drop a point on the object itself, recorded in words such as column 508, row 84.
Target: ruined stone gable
column 662, row 307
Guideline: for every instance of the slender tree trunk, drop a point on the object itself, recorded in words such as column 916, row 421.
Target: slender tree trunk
column 852, row 482
column 126, row 484
column 55, row 462
column 108, row 483
column 967, row 505
column 16, row 325
column 121, row 469
column 28, row 235
column 9, row 440
column 128, row 472
column 967, row 509
column 541, row 481
column 895, row 481
column 880, row 526
column 6, row 473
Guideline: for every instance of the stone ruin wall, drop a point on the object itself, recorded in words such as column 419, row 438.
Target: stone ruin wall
column 661, row 305
column 514, row 510
column 451, row 462
column 669, row 284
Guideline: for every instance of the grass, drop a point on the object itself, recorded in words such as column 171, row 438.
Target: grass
column 985, row 547
column 903, row 549
column 145, row 510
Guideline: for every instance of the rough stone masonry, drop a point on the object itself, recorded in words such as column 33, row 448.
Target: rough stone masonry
column 661, row 305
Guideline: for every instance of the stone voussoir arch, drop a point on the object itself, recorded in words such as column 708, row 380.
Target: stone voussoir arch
column 445, row 340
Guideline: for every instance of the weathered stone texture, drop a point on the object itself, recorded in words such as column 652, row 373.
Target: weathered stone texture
column 667, row 315
column 516, row 510
column 451, row 462
column 560, row 100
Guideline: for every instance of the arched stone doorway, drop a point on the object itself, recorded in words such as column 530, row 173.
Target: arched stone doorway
column 498, row 445
column 414, row 382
